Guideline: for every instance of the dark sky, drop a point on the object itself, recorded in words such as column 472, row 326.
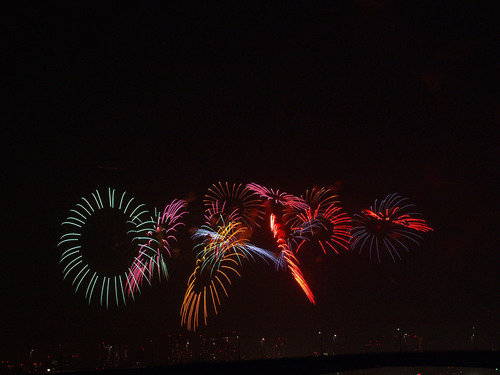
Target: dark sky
column 373, row 96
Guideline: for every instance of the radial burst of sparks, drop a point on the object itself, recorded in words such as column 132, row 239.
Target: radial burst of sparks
column 206, row 287
column 235, row 199
column 161, row 235
column 387, row 226
column 107, row 289
column 323, row 221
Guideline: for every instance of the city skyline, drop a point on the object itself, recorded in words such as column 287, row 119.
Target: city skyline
column 187, row 348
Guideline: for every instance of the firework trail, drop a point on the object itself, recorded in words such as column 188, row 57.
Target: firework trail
column 283, row 201
column 322, row 221
column 289, row 258
column 387, row 226
column 161, row 235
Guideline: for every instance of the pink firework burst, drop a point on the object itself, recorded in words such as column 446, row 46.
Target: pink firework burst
column 161, row 236
column 280, row 198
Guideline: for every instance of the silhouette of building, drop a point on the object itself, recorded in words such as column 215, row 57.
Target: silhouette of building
column 195, row 348
column 180, row 349
column 112, row 356
column 229, row 347
column 413, row 343
column 409, row 342
column 277, row 348
column 220, row 348
column 373, row 345
column 208, row 348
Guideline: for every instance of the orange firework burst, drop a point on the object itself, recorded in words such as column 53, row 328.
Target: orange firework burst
column 206, row 287
column 224, row 248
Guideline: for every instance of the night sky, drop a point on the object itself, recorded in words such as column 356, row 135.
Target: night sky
column 373, row 97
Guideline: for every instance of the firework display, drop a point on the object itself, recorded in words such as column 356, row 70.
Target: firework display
column 237, row 199
column 206, row 287
column 322, row 221
column 282, row 204
column 388, row 227
column 159, row 243
column 222, row 242
column 228, row 238
column 105, row 288
column 289, row 259
column 225, row 245
column 280, row 198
